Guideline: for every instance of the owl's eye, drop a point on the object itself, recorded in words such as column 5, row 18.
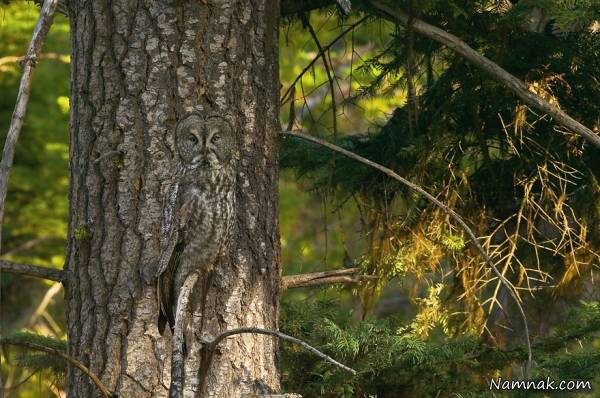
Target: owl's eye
column 192, row 139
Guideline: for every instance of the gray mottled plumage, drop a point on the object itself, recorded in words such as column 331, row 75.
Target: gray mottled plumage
column 199, row 207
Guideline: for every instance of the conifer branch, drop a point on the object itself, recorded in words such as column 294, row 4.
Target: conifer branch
column 347, row 275
column 417, row 189
column 514, row 84
column 35, row 271
column 321, row 53
column 33, row 51
column 211, row 345
column 52, row 351
column 459, row 46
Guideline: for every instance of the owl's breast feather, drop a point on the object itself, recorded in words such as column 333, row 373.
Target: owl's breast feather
column 209, row 225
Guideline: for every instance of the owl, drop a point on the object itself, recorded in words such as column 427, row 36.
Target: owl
column 199, row 208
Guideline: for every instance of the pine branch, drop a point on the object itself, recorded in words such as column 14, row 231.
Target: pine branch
column 348, row 275
column 417, row 189
column 462, row 48
column 33, row 270
column 510, row 81
column 321, row 53
column 63, row 355
column 33, row 51
column 212, row 344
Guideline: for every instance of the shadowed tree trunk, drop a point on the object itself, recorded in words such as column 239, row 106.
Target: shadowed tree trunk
column 137, row 68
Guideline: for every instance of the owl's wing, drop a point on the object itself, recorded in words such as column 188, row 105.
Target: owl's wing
column 177, row 220
column 167, row 264
column 165, row 289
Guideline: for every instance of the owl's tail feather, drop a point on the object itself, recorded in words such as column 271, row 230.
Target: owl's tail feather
column 165, row 314
column 164, row 318
column 164, row 292
column 162, row 322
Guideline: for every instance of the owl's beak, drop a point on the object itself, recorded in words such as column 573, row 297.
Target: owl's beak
column 205, row 161
column 201, row 160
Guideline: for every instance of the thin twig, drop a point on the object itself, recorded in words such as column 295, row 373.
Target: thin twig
column 320, row 54
column 105, row 391
column 43, row 305
column 19, row 384
column 35, row 46
column 510, row 81
column 413, row 106
column 29, row 245
column 347, row 275
column 328, row 70
column 32, row 270
column 54, row 56
column 330, row 79
column 416, row 188
column 212, row 344
column 292, row 112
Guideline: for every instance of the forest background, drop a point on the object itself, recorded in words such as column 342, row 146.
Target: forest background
column 422, row 316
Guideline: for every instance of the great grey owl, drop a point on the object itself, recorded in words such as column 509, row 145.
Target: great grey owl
column 199, row 207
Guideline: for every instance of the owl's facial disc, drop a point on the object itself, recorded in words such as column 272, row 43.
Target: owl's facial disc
column 189, row 138
column 207, row 143
column 219, row 142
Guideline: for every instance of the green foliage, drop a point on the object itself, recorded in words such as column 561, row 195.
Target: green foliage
column 508, row 171
column 393, row 361
column 386, row 356
column 34, row 338
column 453, row 242
column 35, row 221
column 566, row 15
column 475, row 146
column 36, row 204
column 38, row 360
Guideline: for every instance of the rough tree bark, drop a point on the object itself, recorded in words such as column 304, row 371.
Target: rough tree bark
column 138, row 67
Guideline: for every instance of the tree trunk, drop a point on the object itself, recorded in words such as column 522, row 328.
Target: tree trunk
column 138, row 67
